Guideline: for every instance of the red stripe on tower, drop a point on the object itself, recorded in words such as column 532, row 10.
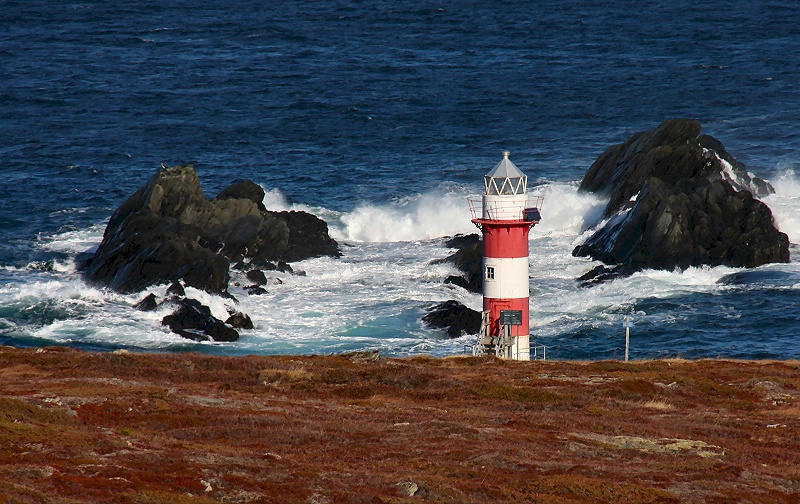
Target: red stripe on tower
column 505, row 215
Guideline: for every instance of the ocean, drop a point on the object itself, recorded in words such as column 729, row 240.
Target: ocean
column 381, row 118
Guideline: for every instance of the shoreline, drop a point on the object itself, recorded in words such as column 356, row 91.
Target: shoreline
column 84, row 426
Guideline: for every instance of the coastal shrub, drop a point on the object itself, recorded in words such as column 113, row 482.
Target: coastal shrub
column 659, row 405
column 151, row 497
column 574, row 487
column 410, row 379
column 357, row 391
column 605, row 411
column 17, row 410
column 517, row 393
column 106, row 413
column 463, row 433
column 471, row 361
column 638, row 387
column 293, row 374
column 14, row 492
column 610, row 366
column 338, row 376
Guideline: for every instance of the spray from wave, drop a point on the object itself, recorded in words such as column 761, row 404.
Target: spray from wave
column 784, row 204
column 444, row 212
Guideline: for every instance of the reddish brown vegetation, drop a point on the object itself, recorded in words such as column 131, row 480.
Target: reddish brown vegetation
column 188, row 428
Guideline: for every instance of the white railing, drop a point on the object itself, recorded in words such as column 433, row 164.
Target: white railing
column 538, row 352
column 503, row 210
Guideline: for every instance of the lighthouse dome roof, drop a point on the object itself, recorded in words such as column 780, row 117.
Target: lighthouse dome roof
column 505, row 178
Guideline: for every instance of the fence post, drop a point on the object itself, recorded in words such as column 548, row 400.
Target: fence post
column 627, row 325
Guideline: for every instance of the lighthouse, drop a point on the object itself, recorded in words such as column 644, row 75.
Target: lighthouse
column 505, row 214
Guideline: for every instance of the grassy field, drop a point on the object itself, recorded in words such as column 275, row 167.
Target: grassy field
column 188, row 428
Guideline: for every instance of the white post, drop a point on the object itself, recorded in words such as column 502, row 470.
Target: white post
column 627, row 336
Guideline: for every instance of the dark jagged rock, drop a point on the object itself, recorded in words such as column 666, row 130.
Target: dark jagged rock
column 460, row 240
column 308, row 237
column 219, row 331
column 176, row 289
column 169, row 231
column 736, row 172
column 194, row 321
column 457, row 280
column 149, row 303
column 41, row 265
column 244, row 189
column 688, row 225
column 767, row 278
column 255, row 290
column 455, row 317
column 257, row 276
column 469, row 259
column 600, row 274
column 672, row 152
column 673, row 204
column 239, row 320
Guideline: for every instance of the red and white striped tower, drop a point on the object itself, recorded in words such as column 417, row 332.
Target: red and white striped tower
column 505, row 215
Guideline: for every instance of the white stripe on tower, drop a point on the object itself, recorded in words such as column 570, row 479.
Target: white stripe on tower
column 510, row 278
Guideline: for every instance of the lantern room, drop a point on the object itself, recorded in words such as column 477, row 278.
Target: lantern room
column 505, row 179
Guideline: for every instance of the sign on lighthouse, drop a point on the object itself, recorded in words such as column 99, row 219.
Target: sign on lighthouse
column 505, row 214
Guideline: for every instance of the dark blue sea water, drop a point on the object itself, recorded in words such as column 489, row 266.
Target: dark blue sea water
column 380, row 117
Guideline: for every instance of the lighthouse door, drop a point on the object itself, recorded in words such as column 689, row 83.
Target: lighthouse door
column 498, row 308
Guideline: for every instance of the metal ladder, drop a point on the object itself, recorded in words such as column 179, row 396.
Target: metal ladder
column 500, row 345
column 487, row 344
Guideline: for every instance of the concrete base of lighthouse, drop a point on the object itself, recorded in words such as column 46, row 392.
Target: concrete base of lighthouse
column 514, row 347
column 521, row 349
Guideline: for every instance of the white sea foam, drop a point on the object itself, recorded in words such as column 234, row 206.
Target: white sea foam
column 375, row 295
column 441, row 212
column 785, row 204
column 275, row 200
column 565, row 211
column 74, row 241
column 560, row 306
column 422, row 217
column 444, row 212
column 372, row 297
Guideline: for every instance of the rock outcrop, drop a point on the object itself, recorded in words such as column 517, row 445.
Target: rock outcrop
column 194, row 321
column 451, row 315
column 468, row 258
column 677, row 200
column 455, row 317
column 169, row 231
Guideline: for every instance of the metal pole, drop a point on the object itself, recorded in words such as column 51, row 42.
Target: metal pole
column 627, row 336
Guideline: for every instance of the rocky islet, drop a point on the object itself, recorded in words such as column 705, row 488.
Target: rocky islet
column 169, row 232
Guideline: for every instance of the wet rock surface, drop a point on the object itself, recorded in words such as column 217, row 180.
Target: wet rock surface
column 468, row 258
column 169, row 230
column 455, row 317
column 677, row 200
column 239, row 320
column 194, row 321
